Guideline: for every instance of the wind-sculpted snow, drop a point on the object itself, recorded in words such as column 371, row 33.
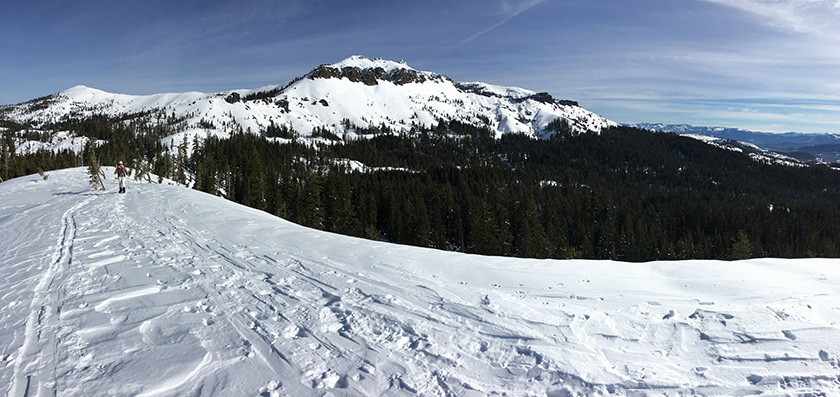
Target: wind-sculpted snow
column 166, row 291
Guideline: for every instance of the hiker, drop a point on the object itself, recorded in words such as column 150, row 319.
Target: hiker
column 120, row 173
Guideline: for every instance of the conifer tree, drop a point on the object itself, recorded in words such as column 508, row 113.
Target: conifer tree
column 181, row 163
column 530, row 232
column 8, row 150
column 313, row 208
column 741, row 247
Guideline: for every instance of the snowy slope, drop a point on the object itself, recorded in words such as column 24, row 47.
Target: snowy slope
column 366, row 92
column 755, row 152
column 805, row 146
column 59, row 141
column 167, row 291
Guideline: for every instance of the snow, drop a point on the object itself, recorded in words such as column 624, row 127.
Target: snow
column 756, row 153
column 500, row 91
column 59, row 141
column 169, row 291
column 361, row 62
column 326, row 102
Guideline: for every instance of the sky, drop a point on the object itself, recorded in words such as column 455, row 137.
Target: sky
column 756, row 64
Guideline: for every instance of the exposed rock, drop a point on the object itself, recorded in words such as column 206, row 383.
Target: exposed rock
column 405, row 76
column 474, row 88
column 283, row 103
column 370, row 76
column 325, row 72
column 352, row 73
column 233, row 98
column 543, row 97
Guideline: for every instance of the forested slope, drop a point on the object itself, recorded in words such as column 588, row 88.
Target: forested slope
column 622, row 194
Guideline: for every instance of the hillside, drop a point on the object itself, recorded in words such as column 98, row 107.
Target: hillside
column 803, row 147
column 355, row 92
column 170, row 291
column 377, row 149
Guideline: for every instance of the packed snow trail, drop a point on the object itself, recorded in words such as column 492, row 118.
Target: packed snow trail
column 169, row 291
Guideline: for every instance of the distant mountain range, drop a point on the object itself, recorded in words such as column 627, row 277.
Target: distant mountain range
column 344, row 97
column 357, row 95
column 800, row 146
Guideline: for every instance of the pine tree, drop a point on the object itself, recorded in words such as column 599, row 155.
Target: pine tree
column 532, row 242
column 8, row 145
column 181, row 163
column 741, row 247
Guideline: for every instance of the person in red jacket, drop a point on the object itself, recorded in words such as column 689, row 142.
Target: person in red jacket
column 120, row 173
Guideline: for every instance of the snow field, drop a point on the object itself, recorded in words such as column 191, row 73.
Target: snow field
column 322, row 102
column 169, row 291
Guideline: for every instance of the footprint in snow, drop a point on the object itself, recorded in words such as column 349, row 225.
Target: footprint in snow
column 823, row 355
column 754, row 379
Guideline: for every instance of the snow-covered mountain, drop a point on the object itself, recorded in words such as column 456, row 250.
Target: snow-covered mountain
column 755, row 152
column 365, row 92
column 802, row 147
column 167, row 291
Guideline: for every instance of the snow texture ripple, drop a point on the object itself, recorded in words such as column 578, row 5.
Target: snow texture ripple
column 166, row 291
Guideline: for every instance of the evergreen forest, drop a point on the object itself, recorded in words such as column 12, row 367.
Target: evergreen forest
column 624, row 194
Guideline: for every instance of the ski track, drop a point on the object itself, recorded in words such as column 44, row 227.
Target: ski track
column 146, row 294
column 34, row 370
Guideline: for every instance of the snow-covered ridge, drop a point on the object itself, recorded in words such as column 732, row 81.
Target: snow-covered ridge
column 370, row 72
column 365, row 92
column 755, row 152
column 171, row 291
column 361, row 62
column 805, row 147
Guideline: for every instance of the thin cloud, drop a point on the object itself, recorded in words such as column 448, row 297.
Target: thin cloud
column 814, row 17
column 511, row 12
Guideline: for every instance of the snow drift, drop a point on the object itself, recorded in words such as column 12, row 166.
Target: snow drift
column 170, row 291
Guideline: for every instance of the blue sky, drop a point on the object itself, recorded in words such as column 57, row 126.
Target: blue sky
column 756, row 64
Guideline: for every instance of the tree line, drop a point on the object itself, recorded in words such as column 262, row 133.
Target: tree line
column 623, row 194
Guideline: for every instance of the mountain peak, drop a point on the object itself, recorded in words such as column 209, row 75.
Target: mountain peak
column 362, row 62
column 358, row 68
column 83, row 93
column 367, row 92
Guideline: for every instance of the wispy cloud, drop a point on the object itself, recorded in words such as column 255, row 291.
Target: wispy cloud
column 510, row 10
column 813, row 17
column 756, row 115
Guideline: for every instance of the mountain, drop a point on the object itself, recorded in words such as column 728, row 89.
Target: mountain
column 803, row 147
column 168, row 291
column 754, row 151
column 463, row 184
column 356, row 92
